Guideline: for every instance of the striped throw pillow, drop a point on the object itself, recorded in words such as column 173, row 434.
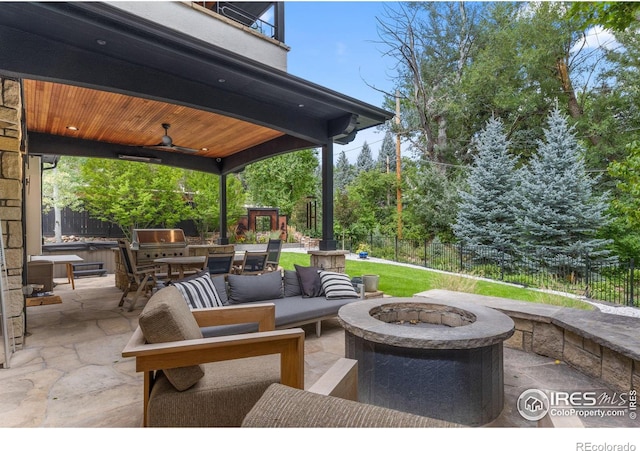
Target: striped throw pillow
column 337, row 285
column 199, row 291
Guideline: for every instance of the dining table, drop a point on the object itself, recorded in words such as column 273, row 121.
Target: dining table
column 180, row 264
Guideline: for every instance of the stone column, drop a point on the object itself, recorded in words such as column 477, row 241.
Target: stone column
column 329, row 260
column 11, row 203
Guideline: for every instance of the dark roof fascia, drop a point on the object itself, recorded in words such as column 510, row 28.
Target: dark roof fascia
column 39, row 144
column 46, row 144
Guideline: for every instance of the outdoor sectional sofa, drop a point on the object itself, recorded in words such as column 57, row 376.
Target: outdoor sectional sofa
column 298, row 297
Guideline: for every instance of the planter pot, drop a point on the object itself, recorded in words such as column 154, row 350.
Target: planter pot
column 363, row 254
column 370, row 282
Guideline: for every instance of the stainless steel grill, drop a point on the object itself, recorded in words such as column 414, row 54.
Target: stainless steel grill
column 149, row 244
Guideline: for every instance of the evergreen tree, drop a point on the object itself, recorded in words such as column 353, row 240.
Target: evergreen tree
column 387, row 155
column 344, row 173
column 560, row 213
column 430, row 195
column 365, row 159
column 486, row 216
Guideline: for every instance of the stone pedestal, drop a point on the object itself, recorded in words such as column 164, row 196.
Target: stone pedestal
column 329, row 260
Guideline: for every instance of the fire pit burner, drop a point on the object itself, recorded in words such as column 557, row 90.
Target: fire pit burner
column 421, row 315
column 440, row 359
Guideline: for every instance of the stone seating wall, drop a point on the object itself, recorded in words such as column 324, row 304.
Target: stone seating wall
column 601, row 345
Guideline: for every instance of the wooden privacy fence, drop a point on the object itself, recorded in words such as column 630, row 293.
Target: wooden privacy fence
column 80, row 223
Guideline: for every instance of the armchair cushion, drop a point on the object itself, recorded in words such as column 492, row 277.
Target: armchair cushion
column 222, row 398
column 287, row 407
column 337, row 285
column 199, row 291
column 163, row 320
column 251, row 288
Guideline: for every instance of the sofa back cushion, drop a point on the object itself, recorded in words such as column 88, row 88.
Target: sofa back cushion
column 220, row 282
column 248, row 288
column 291, row 284
column 165, row 318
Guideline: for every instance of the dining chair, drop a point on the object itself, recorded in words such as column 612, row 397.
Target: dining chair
column 142, row 276
column 274, row 246
column 220, row 263
column 254, row 263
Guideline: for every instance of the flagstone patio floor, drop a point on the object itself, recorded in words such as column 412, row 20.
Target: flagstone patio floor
column 70, row 372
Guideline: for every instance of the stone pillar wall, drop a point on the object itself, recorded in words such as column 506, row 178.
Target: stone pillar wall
column 329, row 260
column 11, row 202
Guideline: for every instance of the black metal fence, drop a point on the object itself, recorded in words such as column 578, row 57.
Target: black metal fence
column 603, row 279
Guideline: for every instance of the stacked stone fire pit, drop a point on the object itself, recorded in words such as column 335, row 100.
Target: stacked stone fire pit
column 439, row 359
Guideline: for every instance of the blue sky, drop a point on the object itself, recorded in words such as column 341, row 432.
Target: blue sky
column 334, row 44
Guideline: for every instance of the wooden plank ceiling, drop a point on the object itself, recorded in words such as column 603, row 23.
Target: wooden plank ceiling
column 115, row 118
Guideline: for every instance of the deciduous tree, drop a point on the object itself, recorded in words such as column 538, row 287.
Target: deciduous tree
column 205, row 198
column 60, row 184
column 284, row 180
column 133, row 195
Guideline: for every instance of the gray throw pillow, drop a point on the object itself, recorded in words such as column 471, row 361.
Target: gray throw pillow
column 291, row 284
column 310, row 283
column 262, row 287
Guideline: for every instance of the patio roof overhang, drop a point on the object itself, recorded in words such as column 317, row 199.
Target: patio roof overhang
column 116, row 78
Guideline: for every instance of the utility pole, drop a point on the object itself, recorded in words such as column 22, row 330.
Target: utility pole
column 398, row 167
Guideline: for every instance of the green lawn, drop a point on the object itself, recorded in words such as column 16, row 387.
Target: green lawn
column 402, row 281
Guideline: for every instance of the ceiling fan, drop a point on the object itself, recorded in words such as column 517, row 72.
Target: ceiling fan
column 167, row 143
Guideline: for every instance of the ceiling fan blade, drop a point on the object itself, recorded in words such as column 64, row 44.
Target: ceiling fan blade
column 159, row 147
column 172, row 148
column 185, row 149
column 167, row 143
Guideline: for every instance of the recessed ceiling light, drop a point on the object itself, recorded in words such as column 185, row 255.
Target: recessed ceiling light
column 221, row 80
column 101, row 42
column 301, row 105
column 72, row 128
column 205, row 148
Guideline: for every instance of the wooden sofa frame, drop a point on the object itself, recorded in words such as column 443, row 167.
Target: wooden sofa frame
column 288, row 343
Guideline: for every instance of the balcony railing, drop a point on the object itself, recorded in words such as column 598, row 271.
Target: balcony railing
column 266, row 18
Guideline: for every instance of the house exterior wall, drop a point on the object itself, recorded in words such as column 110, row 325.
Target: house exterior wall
column 201, row 23
column 11, row 201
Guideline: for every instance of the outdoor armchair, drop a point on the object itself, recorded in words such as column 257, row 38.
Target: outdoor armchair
column 253, row 263
column 143, row 277
column 204, row 382
column 331, row 402
column 274, row 247
column 218, row 263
